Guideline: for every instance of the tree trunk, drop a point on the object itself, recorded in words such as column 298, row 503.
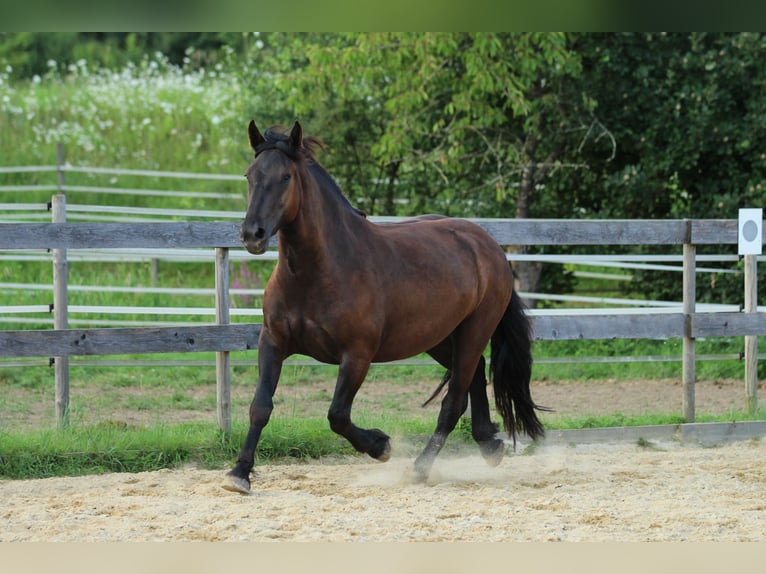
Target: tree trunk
column 526, row 273
column 388, row 206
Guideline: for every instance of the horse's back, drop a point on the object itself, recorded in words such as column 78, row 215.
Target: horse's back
column 438, row 236
column 434, row 273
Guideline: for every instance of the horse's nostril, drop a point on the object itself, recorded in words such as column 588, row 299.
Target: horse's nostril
column 250, row 234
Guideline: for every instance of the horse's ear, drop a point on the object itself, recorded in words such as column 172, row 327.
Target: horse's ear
column 255, row 136
column 296, row 136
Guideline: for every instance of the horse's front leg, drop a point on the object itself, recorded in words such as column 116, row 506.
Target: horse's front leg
column 374, row 442
column 269, row 368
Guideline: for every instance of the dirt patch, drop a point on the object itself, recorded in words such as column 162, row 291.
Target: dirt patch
column 584, row 493
column 640, row 396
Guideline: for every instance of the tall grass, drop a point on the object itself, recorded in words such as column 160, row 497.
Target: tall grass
column 152, row 115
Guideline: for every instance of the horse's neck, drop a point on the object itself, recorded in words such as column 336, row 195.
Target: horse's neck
column 325, row 230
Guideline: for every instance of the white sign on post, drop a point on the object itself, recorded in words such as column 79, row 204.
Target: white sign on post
column 749, row 234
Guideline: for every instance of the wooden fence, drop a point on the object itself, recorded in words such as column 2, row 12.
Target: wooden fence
column 223, row 338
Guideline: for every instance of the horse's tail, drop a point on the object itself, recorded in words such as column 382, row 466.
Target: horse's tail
column 510, row 367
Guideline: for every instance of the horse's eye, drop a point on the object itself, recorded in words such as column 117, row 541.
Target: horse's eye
column 286, row 177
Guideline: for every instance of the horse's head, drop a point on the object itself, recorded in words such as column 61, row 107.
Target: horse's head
column 273, row 181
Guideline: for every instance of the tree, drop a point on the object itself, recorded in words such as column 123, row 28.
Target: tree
column 462, row 124
column 686, row 112
column 33, row 53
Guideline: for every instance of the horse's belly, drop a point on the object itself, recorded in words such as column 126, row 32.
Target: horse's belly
column 417, row 332
column 401, row 347
column 402, row 350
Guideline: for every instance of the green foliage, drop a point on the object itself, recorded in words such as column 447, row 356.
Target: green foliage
column 613, row 125
column 684, row 114
column 34, row 53
column 439, row 120
column 148, row 115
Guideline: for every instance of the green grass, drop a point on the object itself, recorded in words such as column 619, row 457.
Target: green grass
column 625, row 359
column 650, row 419
column 103, row 448
column 152, row 116
column 108, row 447
column 111, row 447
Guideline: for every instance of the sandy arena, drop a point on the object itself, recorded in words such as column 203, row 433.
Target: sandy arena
column 664, row 492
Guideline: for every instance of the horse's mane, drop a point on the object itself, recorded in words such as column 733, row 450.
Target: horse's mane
column 276, row 138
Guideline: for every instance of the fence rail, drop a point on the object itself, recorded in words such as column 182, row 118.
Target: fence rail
column 171, row 235
column 687, row 323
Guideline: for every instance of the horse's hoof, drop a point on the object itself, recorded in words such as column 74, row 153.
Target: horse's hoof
column 386, row 454
column 493, row 453
column 235, row 483
column 380, row 447
column 413, row 476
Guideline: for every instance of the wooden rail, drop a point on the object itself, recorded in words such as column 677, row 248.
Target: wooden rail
column 224, row 337
column 171, row 235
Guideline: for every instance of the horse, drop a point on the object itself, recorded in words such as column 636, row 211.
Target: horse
column 350, row 292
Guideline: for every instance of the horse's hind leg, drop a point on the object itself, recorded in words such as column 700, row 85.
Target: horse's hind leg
column 483, row 430
column 466, row 354
column 371, row 441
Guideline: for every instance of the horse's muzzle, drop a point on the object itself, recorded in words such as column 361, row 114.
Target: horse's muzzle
column 255, row 239
column 256, row 248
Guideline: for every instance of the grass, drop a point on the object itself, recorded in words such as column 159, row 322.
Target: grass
column 101, row 448
column 107, row 447
column 150, row 116
column 97, row 442
column 111, row 447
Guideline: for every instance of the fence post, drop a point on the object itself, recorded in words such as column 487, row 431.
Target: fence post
column 222, row 359
column 60, row 174
column 689, row 374
column 751, row 341
column 60, row 314
column 155, row 268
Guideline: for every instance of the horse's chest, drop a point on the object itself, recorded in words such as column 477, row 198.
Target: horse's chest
column 310, row 329
column 316, row 338
column 320, row 322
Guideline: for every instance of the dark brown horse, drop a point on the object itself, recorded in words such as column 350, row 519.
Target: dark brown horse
column 350, row 292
